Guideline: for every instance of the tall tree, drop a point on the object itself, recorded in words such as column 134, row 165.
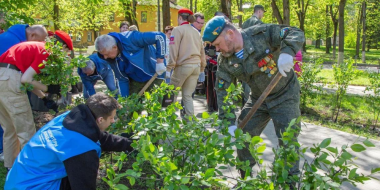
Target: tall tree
column 333, row 14
column 301, row 14
column 56, row 15
column 129, row 9
column 328, row 38
column 342, row 4
column 165, row 14
column 285, row 19
column 358, row 30
column 191, row 5
column 364, row 7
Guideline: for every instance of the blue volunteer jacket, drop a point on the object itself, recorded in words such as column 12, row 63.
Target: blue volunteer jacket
column 14, row 35
column 102, row 67
column 137, row 58
column 40, row 163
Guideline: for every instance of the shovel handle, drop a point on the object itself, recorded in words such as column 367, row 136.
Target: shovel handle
column 147, row 84
column 261, row 99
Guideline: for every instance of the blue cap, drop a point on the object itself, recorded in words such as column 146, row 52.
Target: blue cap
column 213, row 29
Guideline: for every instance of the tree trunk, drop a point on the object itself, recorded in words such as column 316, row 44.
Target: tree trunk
column 276, row 12
column 335, row 23
column 328, row 39
column 134, row 13
column 165, row 14
column 364, row 30
column 56, row 15
column 286, row 11
column 223, row 6
column 301, row 13
column 240, row 8
column 318, row 42
column 158, row 16
column 191, row 4
column 342, row 4
column 130, row 12
column 195, row 6
column 358, row 32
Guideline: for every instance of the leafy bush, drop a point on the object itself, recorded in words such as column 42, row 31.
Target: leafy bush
column 192, row 154
column 58, row 68
column 309, row 76
column 374, row 99
column 344, row 73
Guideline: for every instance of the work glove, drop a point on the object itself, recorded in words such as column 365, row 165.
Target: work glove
column 160, row 68
column 285, row 63
column 54, row 89
column 231, row 130
column 201, row 77
column 50, row 104
column 168, row 74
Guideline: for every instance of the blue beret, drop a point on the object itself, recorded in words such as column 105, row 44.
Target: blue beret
column 213, row 29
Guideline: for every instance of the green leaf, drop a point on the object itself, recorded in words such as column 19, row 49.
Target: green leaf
column 151, row 147
column 333, row 150
column 346, row 155
column 261, row 148
column 325, row 143
column 183, row 187
column 352, row 173
column 256, row 139
column 375, row 170
column 205, row 115
column 368, row 143
column 121, row 187
column 135, row 115
column 173, row 166
column 209, row 173
column 357, row 147
column 185, row 180
column 334, row 184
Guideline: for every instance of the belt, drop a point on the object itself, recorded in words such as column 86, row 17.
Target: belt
column 9, row 66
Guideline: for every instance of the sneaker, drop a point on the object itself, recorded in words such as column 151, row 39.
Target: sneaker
column 2, row 157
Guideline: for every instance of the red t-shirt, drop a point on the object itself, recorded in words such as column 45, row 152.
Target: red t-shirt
column 25, row 55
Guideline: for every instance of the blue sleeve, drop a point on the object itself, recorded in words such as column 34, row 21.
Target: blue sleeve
column 143, row 39
column 87, row 84
column 124, row 87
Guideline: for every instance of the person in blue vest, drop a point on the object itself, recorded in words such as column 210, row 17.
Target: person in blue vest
column 96, row 69
column 64, row 154
column 21, row 33
column 133, row 58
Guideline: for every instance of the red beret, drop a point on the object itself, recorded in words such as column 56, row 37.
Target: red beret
column 66, row 38
column 50, row 33
column 184, row 10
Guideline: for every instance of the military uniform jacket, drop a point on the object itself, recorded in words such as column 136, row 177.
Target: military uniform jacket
column 251, row 22
column 259, row 42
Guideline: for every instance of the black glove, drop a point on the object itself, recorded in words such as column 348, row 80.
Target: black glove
column 50, row 104
column 54, row 89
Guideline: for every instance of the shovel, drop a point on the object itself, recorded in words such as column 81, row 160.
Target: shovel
column 257, row 104
column 147, row 84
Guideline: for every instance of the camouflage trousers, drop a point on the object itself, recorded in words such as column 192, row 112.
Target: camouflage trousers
column 135, row 87
column 281, row 115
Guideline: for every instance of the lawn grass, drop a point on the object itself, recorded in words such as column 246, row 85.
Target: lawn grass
column 361, row 80
column 356, row 115
column 3, row 175
column 372, row 57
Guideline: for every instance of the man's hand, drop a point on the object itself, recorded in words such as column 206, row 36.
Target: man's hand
column 285, row 63
column 50, row 104
column 160, row 68
column 168, row 75
column 201, row 77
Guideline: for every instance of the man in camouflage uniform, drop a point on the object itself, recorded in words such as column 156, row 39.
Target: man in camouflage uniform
column 254, row 55
column 258, row 14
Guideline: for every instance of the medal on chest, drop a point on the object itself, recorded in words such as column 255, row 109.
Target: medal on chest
column 267, row 65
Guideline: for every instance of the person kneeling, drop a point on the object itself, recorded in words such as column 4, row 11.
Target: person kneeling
column 64, row 154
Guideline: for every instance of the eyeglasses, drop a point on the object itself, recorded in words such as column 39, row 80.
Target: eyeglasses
column 200, row 22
